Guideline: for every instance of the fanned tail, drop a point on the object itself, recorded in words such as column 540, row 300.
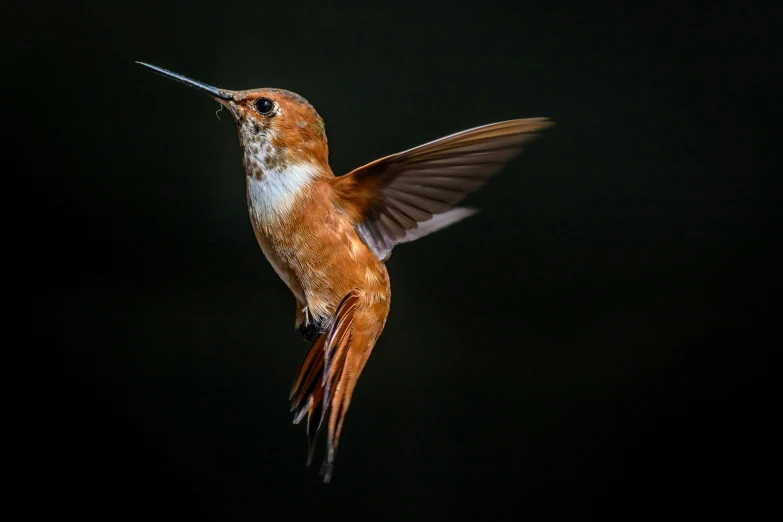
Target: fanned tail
column 327, row 378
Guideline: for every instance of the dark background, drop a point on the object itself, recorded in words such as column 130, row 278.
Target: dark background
column 591, row 345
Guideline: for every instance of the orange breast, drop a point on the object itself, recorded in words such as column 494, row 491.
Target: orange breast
column 317, row 253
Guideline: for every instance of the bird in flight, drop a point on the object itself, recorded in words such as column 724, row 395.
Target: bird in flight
column 328, row 237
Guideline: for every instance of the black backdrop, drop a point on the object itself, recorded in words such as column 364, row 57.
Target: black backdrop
column 588, row 346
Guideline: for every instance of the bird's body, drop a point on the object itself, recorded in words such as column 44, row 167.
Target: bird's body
column 328, row 236
column 318, row 254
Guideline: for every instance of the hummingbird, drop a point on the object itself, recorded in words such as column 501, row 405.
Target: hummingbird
column 328, row 237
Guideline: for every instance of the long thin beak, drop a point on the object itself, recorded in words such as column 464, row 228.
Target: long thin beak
column 212, row 91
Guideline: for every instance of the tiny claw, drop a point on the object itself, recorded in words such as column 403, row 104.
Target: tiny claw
column 310, row 331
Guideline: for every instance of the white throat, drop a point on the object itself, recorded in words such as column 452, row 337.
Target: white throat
column 273, row 194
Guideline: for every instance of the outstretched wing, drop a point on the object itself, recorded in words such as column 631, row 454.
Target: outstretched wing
column 390, row 198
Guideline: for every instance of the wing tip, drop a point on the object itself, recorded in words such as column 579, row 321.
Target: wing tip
column 537, row 123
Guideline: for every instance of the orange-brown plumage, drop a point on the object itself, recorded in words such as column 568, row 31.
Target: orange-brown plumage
column 328, row 237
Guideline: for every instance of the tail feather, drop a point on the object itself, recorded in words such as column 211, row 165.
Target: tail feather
column 306, row 369
column 352, row 367
column 337, row 343
column 308, row 381
column 327, row 378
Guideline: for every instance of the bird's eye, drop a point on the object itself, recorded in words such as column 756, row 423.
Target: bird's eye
column 264, row 105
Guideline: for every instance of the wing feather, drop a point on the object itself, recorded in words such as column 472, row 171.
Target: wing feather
column 390, row 198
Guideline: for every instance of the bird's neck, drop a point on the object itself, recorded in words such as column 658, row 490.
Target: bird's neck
column 278, row 186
